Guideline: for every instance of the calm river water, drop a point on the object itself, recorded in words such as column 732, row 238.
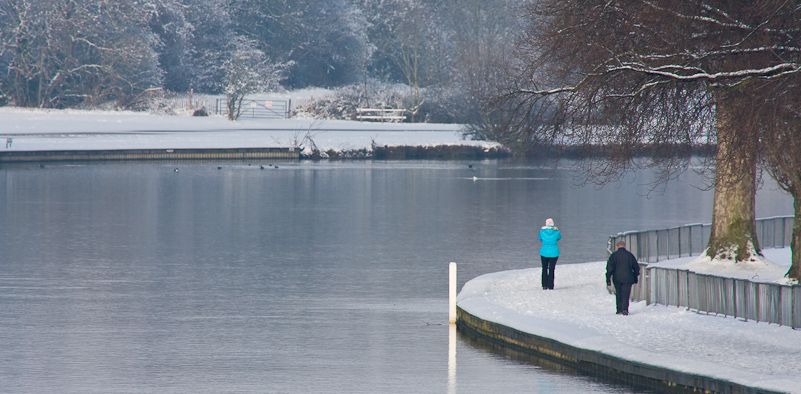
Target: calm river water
column 307, row 278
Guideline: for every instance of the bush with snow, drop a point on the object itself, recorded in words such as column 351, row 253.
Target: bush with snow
column 341, row 103
column 443, row 106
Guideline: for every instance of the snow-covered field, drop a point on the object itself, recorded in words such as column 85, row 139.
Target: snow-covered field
column 580, row 312
column 31, row 130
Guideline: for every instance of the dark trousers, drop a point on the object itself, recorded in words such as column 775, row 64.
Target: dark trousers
column 548, row 265
column 622, row 296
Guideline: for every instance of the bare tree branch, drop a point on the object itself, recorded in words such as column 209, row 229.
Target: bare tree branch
column 641, row 83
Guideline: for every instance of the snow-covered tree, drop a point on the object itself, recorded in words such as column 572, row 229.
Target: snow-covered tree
column 192, row 41
column 248, row 71
column 334, row 49
column 323, row 39
column 481, row 34
column 76, row 52
column 404, row 32
column 666, row 74
column 212, row 33
column 167, row 20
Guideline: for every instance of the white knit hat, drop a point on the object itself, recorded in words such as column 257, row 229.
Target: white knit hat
column 549, row 222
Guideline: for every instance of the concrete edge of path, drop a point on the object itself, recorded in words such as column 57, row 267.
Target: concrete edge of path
column 596, row 362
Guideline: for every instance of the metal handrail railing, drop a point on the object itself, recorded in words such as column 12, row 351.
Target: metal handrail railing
column 740, row 298
column 691, row 239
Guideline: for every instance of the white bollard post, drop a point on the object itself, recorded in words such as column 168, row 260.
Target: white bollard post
column 452, row 293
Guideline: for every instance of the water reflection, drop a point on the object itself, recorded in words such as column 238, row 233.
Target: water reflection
column 452, row 358
column 552, row 374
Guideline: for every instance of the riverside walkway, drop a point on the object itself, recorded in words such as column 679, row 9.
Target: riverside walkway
column 576, row 324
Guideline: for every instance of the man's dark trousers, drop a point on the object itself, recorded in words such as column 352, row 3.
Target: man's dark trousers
column 622, row 296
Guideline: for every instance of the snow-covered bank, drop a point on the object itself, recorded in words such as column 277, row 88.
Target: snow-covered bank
column 770, row 268
column 94, row 130
column 581, row 313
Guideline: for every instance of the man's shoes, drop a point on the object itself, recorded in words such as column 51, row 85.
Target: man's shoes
column 625, row 313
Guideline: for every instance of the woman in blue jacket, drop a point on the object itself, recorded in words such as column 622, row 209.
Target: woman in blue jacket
column 549, row 252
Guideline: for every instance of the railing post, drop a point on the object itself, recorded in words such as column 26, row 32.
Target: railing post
column 784, row 231
column 667, row 244
column 690, row 240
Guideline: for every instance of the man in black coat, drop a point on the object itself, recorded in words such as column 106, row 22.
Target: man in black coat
column 622, row 269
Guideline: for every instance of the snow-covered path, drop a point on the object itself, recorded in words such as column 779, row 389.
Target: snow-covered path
column 581, row 313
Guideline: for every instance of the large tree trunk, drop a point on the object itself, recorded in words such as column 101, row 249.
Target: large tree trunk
column 733, row 233
column 795, row 241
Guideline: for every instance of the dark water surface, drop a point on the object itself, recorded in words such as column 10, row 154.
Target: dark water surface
column 308, row 278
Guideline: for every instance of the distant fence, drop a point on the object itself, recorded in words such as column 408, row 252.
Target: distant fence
column 192, row 101
column 269, row 109
column 740, row 298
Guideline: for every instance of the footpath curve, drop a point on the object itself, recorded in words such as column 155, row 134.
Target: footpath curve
column 593, row 362
column 664, row 347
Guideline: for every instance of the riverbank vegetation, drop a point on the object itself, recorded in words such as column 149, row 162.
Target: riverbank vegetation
column 133, row 54
column 406, row 152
